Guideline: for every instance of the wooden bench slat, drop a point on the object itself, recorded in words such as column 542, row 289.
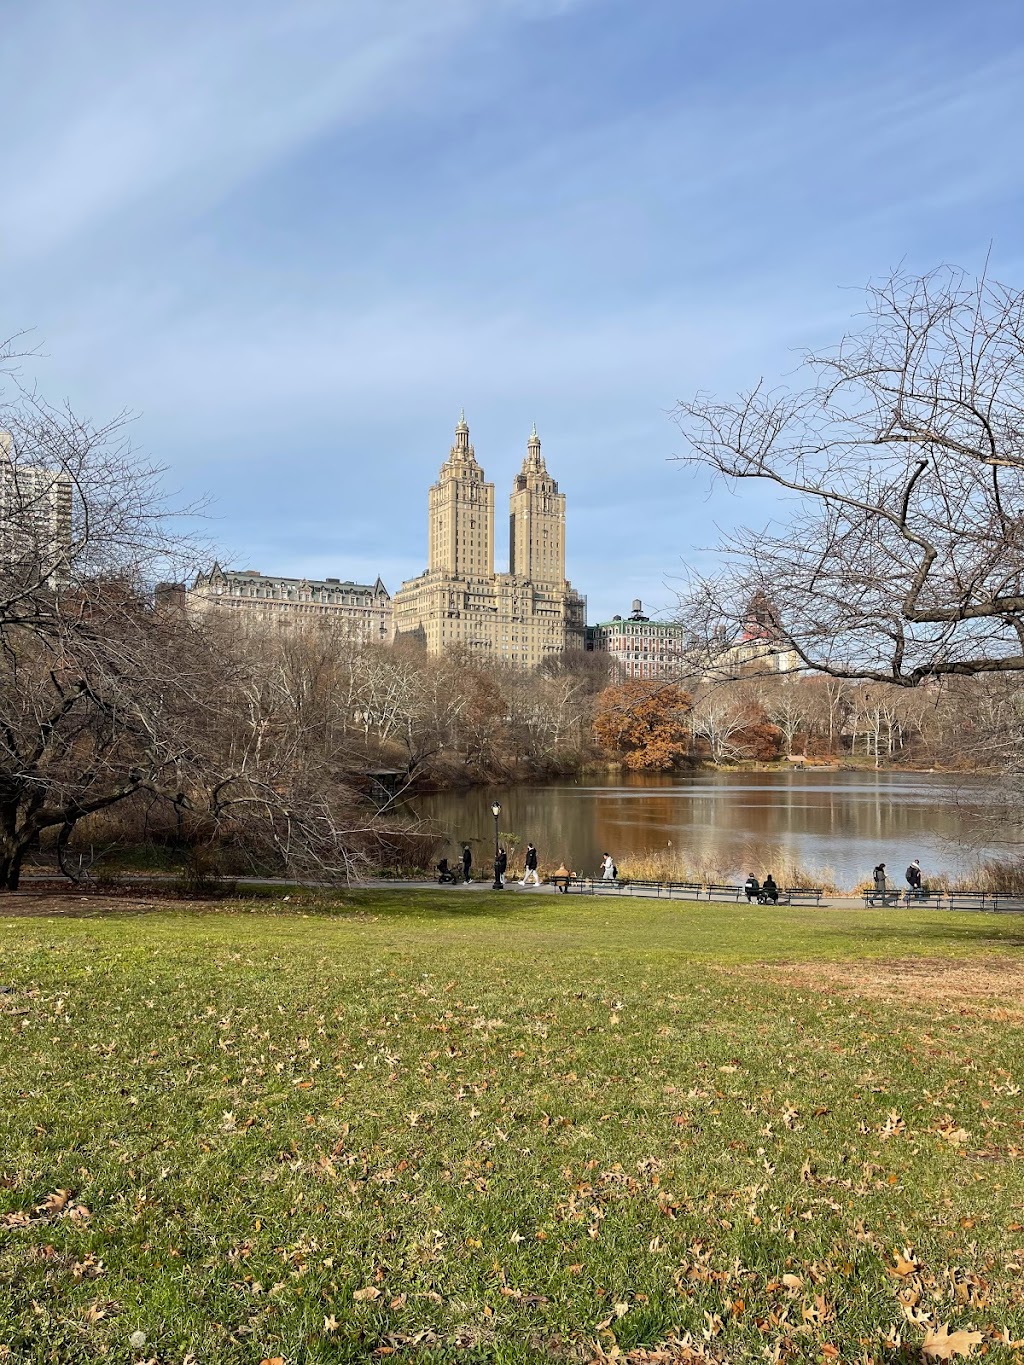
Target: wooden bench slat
column 689, row 890
column 967, row 900
column 889, row 897
column 719, row 891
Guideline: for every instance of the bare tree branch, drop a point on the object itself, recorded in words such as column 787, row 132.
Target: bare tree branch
column 903, row 559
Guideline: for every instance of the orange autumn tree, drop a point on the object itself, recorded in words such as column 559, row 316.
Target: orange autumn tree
column 646, row 724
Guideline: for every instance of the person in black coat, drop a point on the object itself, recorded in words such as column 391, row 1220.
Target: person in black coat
column 501, row 865
column 769, row 889
column 531, row 866
column 467, row 863
column 751, row 887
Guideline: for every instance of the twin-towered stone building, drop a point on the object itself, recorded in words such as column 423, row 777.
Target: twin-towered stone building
column 521, row 617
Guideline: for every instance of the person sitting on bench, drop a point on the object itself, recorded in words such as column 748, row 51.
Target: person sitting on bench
column 769, row 891
column 751, row 888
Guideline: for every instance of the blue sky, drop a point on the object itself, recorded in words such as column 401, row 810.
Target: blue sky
column 296, row 239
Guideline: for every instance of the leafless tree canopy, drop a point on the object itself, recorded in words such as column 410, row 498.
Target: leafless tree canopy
column 903, row 559
column 109, row 694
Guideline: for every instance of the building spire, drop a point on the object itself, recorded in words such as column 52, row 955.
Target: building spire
column 534, row 462
column 462, row 449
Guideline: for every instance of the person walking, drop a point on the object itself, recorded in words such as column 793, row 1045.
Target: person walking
column 769, row 890
column 501, row 864
column 531, row 866
column 467, row 863
column 913, row 875
column 608, row 868
column 751, row 887
column 879, row 880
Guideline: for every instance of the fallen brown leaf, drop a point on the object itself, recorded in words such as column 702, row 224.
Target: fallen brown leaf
column 942, row 1344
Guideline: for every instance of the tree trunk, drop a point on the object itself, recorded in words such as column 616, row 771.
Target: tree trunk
column 11, row 857
column 63, row 838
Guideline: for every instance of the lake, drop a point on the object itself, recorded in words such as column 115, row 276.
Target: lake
column 844, row 820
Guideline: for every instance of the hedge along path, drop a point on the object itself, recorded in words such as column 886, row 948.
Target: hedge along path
column 378, row 1125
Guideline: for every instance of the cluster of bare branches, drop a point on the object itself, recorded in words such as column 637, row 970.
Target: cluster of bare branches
column 109, row 696
column 903, row 456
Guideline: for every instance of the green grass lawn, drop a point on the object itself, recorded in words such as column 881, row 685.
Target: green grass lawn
column 509, row 1128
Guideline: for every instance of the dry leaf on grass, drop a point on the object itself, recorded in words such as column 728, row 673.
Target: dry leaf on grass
column 942, row 1344
column 370, row 1292
column 619, row 1311
column 904, row 1263
column 951, row 1131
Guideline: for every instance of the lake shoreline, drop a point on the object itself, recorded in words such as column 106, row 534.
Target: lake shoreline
column 615, row 768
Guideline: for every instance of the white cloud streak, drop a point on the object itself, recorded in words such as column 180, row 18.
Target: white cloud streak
column 587, row 268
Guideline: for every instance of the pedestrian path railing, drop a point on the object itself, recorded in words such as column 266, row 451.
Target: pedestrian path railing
column 994, row 902
column 692, row 891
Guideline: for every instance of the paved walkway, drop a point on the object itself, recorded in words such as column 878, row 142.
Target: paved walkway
column 513, row 888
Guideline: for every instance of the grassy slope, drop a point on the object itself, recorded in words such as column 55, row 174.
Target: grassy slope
column 517, row 1119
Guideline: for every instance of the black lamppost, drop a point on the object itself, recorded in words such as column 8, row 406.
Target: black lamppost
column 496, row 811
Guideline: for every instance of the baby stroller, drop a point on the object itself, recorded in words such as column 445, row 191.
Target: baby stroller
column 444, row 872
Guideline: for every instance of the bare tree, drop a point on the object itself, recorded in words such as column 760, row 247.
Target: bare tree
column 719, row 718
column 98, row 687
column 903, row 558
column 102, row 704
column 108, row 691
column 788, row 705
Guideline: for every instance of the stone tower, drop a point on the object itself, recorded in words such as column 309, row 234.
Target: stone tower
column 461, row 514
column 518, row 618
column 536, row 532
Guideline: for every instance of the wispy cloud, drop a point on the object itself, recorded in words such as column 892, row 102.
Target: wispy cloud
column 299, row 237
column 168, row 109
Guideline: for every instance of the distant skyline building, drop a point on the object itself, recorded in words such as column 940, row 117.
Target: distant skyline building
column 762, row 646
column 521, row 617
column 640, row 647
column 643, row 648
column 363, row 610
column 35, row 516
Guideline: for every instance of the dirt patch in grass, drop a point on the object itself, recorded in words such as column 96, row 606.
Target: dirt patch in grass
column 72, row 905
column 923, row 980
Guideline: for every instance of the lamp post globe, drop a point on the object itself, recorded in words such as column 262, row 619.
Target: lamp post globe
column 496, row 811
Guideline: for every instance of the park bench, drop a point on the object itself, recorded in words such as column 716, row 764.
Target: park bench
column 689, row 891
column 718, row 891
column 801, row 895
column 584, row 886
column 968, row 900
column 606, row 887
column 640, row 886
column 890, row 896
column 924, row 898
column 1007, row 905
column 587, row 886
